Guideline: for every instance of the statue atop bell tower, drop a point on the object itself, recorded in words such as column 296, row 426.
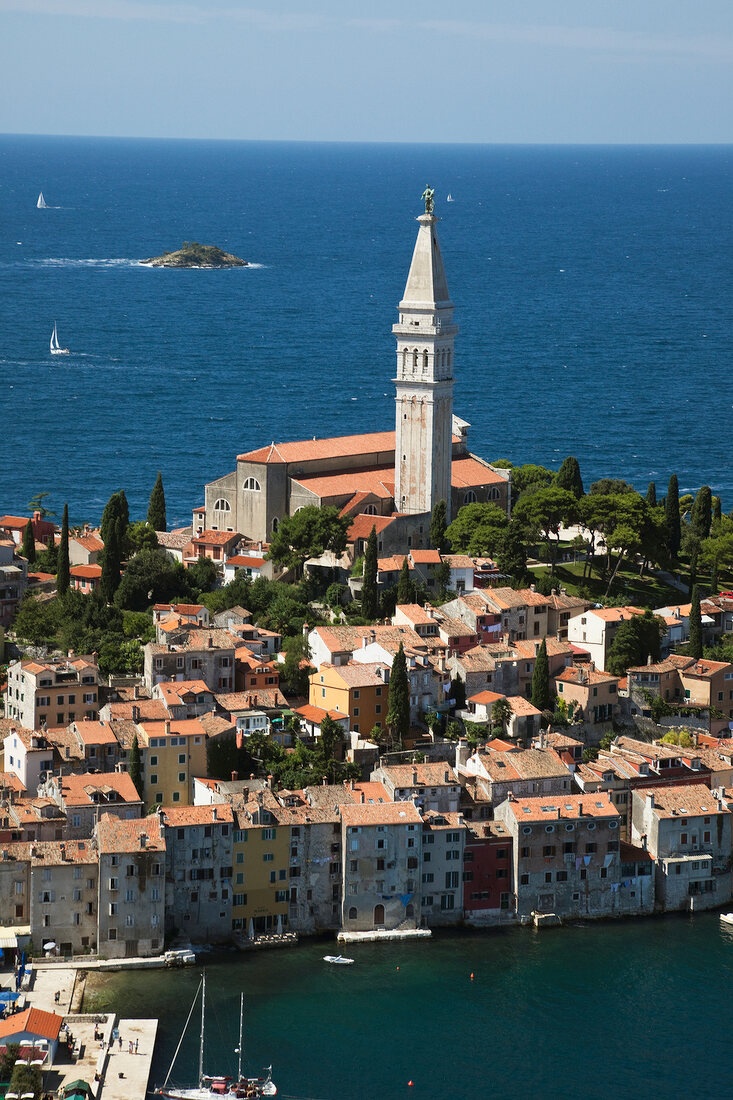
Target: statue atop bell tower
column 425, row 333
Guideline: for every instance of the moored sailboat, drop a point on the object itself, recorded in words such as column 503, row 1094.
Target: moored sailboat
column 56, row 348
column 214, row 1087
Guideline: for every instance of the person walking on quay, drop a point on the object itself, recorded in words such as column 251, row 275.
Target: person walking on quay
column 136, row 1044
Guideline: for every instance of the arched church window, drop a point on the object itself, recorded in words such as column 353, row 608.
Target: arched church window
column 449, row 359
column 425, row 360
column 252, row 484
column 222, row 505
column 404, row 358
column 352, row 913
column 414, row 359
column 493, row 494
column 370, row 510
column 469, row 497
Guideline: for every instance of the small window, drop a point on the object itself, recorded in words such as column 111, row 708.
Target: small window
column 252, row 485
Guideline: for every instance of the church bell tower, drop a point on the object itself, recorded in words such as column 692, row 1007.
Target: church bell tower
column 425, row 333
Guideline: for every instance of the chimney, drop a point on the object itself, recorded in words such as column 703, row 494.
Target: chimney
column 167, row 726
column 553, row 591
column 533, row 588
column 446, row 773
column 143, row 840
column 559, row 813
column 510, row 796
column 306, row 630
column 214, row 815
column 352, row 784
column 372, row 637
column 269, row 781
column 650, row 800
column 414, row 776
column 364, row 642
column 235, row 777
column 580, row 809
column 362, row 799
column 324, row 781
column 136, row 691
column 210, row 642
column 649, row 659
column 136, row 714
column 70, row 653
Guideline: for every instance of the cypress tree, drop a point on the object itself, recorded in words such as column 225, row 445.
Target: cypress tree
column 369, row 594
column 568, row 477
column 62, row 569
column 438, row 526
column 156, row 507
column 28, row 549
column 651, row 495
column 672, row 510
column 541, row 691
column 693, row 567
column 701, row 515
column 134, row 766
column 717, row 510
column 115, row 520
column 694, row 648
column 398, row 713
column 405, row 588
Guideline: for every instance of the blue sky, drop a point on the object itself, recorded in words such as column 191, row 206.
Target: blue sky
column 455, row 70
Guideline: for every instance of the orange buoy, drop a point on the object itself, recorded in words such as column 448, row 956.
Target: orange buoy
column 409, row 1084
column 472, row 975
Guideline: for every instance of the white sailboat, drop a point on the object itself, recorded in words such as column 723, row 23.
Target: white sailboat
column 214, row 1088
column 450, row 199
column 56, row 348
column 42, row 204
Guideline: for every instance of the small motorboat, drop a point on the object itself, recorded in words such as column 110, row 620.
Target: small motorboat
column 727, row 918
column 338, row 960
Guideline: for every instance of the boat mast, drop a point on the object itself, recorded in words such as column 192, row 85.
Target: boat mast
column 201, row 1044
column 239, row 1048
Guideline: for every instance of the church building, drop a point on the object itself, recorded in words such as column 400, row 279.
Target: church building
column 405, row 472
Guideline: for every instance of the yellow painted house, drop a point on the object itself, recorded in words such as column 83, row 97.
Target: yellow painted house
column 261, row 855
column 172, row 754
column 358, row 689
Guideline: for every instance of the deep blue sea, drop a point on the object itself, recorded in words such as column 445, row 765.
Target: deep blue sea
column 593, row 289
column 604, row 1011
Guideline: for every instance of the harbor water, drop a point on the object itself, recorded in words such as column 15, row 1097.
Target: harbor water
column 634, row 1008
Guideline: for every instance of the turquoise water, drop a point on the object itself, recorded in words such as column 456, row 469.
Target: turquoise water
column 592, row 288
column 603, row 1010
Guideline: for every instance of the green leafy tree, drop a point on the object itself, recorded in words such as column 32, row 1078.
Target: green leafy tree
column 568, row 477
column 140, row 536
column 477, row 529
column 37, row 505
column 332, row 736
column 501, row 716
column 295, row 670
column 672, row 513
column 28, row 549
column 156, row 506
column 694, row 647
column 511, row 554
column 36, row 621
column 636, row 639
column 202, row 575
column 611, row 486
column 438, row 525
column 458, row 692
column 369, row 592
column 542, row 693
column 544, row 512
column 308, row 534
column 134, row 766
column 62, row 569
column 701, row 516
column 530, row 477
column 151, row 577
column 398, row 710
column 651, row 495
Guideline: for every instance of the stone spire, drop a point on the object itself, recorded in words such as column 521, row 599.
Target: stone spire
column 425, row 334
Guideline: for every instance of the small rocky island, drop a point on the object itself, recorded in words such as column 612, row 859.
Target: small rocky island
column 193, row 254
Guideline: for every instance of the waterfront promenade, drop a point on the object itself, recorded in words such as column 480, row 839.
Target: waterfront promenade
column 114, row 1056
